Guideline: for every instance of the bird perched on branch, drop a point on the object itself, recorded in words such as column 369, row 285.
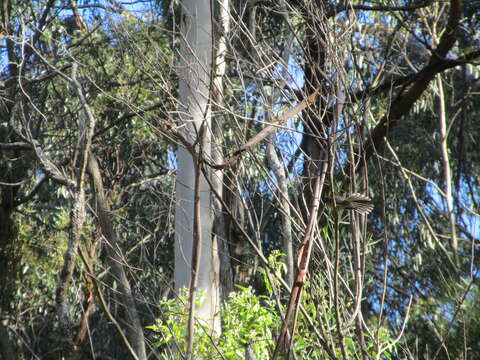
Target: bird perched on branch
column 356, row 202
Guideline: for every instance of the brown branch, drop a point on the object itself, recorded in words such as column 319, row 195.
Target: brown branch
column 397, row 81
column 265, row 262
column 197, row 246
column 304, row 253
column 87, row 310
column 104, row 305
column 269, row 129
column 334, row 10
column 49, row 168
column 86, row 127
column 404, row 101
column 131, row 321
column 126, row 117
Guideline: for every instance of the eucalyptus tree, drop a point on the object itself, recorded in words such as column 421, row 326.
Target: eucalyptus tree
column 369, row 68
column 367, row 101
column 196, row 257
column 66, row 86
column 221, row 130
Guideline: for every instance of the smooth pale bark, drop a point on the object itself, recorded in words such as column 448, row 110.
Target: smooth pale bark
column 278, row 168
column 447, row 175
column 222, row 26
column 194, row 89
column 281, row 176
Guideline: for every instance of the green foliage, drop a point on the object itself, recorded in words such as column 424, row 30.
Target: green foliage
column 253, row 320
column 247, row 319
column 128, row 69
column 433, row 329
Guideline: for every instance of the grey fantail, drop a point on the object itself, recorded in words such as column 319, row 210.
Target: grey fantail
column 356, row 202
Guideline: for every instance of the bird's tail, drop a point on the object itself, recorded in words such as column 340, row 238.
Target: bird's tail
column 359, row 203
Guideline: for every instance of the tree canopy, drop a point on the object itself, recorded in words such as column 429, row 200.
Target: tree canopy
column 173, row 179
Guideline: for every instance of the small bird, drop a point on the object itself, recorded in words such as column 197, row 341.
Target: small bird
column 356, row 202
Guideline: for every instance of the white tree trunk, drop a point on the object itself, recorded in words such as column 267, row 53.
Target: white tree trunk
column 222, row 29
column 447, row 174
column 194, row 89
